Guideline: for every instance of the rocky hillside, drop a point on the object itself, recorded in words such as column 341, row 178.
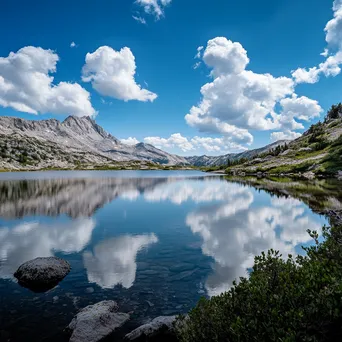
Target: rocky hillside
column 317, row 152
column 210, row 161
column 75, row 141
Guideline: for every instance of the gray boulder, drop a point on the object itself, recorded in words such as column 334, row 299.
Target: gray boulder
column 160, row 329
column 42, row 274
column 97, row 321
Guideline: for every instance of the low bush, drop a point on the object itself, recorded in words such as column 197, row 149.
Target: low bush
column 297, row 299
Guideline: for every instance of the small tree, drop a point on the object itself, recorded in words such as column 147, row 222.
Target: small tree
column 334, row 112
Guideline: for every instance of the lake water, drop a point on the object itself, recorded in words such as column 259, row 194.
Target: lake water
column 154, row 241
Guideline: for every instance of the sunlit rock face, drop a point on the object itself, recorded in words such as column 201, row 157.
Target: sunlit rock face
column 28, row 241
column 236, row 230
column 113, row 262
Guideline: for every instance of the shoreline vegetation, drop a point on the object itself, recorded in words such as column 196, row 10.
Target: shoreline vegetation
column 292, row 299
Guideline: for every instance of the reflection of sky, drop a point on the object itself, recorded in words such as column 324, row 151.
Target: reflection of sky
column 30, row 240
column 234, row 223
column 113, row 261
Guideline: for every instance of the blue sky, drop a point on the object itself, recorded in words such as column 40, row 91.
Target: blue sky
column 250, row 48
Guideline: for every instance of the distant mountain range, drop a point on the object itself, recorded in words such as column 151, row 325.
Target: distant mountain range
column 37, row 144
column 222, row 160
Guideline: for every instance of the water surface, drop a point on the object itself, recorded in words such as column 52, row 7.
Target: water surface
column 154, row 241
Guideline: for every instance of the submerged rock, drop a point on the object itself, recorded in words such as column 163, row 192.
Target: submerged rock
column 42, row 274
column 97, row 321
column 160, row 329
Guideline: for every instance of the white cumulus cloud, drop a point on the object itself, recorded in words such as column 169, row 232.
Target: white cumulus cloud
column 112, row 73
column 210, row 144
column 286, row 135
column 130, row 141
column 175, row 140
column 238, row 100
column 331, row 65
column 26, row 85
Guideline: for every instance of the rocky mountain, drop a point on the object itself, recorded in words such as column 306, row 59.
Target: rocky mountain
column 51, row 143
column 222, row 160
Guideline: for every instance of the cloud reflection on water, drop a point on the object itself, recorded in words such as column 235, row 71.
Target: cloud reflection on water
column 113, row 262
column 30, row 240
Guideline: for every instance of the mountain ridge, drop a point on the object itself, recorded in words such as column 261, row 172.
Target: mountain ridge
column 50, row 143
column 75, row 135
column 210, row 161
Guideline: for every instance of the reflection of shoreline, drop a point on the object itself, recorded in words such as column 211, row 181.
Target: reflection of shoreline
column 73, row 197
column 323, row 196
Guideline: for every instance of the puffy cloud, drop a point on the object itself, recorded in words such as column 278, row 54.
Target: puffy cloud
column 27, row 86
column 111, row 73
column 237, row 99
column 331, row 66
column 286, row 135
column 222, row 144
column 175, row 140
column 28, row 241
column 301, row 108
column 113, row 261
column 210, row 144
column 130, row 141
column 154, row 7
column 333, row 29
column 73, row 44
column 225, row 57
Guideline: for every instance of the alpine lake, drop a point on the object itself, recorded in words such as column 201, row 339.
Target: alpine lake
column 153, row 241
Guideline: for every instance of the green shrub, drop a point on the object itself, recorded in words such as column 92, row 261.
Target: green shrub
column 298, row 299
column 334, row 112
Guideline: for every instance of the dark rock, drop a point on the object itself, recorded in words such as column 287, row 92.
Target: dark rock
column 97, row 321
column 42, row 274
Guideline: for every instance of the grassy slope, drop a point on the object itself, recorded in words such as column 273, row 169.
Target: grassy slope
column 319, row 150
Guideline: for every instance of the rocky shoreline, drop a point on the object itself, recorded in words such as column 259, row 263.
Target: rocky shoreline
column 305, row 175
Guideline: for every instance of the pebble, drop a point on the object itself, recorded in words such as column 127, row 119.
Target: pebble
column 89, row 290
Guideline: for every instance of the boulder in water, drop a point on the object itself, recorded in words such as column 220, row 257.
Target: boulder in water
column 97, row 321
column 42, row 274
